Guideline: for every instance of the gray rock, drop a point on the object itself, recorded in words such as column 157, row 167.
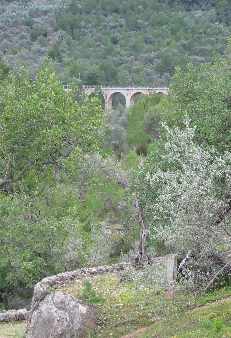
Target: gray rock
column 13, row 315
column 60, row 315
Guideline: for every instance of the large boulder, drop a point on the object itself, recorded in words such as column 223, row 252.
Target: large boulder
column 60, row 315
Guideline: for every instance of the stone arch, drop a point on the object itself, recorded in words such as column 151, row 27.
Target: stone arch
column 115, row 98
column 135, row 96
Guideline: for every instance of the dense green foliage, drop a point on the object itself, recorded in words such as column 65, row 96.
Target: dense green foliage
column 126, row 42
column 65, row 192
column 139, row 42
column 144, row 120
column 44, row 134
column 183, row 189
column 76, row 187
column 41, row 124
column 203, row 94
column 59, row 197
column 183, row 185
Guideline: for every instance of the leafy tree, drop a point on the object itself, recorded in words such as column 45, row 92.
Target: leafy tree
column 42, row 124
column 110, row 74
column 67, row 220
column 29, row 243
column 144, row 122
column 44, row 132
column 203, row 93
column 184, row 191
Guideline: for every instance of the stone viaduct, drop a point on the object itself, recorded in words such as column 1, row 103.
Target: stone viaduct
column 129, row 93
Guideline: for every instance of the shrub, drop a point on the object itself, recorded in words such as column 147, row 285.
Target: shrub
column 89, row 295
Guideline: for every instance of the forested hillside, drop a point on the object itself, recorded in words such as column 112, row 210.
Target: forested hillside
column 113, row 42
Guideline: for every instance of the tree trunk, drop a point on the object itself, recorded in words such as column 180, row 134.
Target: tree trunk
column 142, row 256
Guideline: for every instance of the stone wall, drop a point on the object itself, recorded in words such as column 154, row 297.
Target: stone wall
column 46, row 285
column 14, row 315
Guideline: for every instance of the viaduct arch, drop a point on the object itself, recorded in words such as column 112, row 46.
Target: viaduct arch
column 129, row 93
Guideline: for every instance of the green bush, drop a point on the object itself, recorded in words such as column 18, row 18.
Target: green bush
column 89, row 295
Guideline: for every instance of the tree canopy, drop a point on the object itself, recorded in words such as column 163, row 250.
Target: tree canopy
column 41, row 125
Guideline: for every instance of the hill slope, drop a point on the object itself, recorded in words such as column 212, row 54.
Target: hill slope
column 103, row 41
column 27, row 31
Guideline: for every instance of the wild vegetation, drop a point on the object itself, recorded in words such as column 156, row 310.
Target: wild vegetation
column 127, row 42
column 79, row 187
column 73, row 178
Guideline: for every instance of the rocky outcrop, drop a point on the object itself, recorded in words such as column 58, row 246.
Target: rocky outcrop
column 60, row 315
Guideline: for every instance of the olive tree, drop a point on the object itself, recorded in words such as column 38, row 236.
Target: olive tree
column 184, row 191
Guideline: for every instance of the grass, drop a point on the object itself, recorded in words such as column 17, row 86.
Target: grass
column 214, row 295
column 127, row 306
column 12, row 330
column 210, row 321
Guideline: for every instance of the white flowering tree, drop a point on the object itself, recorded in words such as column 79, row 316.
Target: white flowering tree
column 185, row 193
